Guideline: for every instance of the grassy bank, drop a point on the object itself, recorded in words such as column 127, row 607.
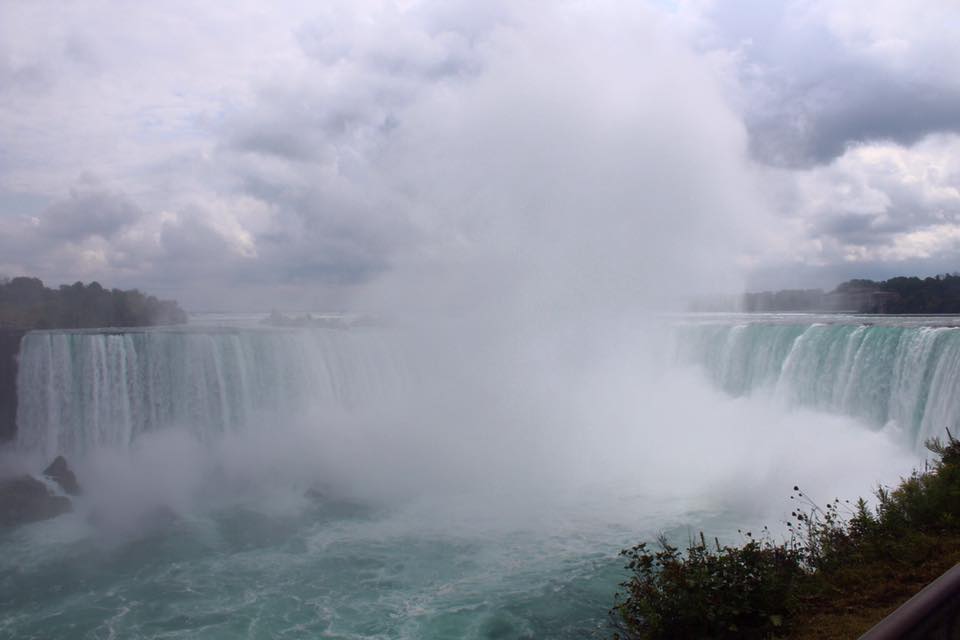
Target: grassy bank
column 844, row 567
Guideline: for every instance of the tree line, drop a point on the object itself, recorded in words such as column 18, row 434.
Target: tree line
column 25, row 303
column 936, row 294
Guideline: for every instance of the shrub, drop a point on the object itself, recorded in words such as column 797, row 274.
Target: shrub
column 755, row 590
column 729, row 592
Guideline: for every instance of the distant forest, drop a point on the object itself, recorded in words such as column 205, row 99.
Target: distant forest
column 937, row 294
column 25, row 303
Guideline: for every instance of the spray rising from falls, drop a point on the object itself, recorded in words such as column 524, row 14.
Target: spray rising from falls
column 81, row 390
column 903, row 377
column 487, row 501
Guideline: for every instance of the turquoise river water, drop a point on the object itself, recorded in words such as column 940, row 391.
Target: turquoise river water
column 247, row 482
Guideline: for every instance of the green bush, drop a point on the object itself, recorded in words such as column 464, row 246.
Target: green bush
column 726, row 592
column 755, row 590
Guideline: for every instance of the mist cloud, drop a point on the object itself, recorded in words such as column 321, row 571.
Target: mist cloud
column 319, row 153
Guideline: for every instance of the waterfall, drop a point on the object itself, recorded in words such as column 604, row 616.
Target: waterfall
column 79, row 390
column 83, row 389
column 901, row 377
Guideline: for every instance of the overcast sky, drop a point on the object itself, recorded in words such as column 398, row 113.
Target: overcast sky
column 306, row 154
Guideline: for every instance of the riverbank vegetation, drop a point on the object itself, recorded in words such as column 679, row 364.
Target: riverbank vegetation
column 901, row 295
column 843, row 568
column 25, row 303
column 937, row 294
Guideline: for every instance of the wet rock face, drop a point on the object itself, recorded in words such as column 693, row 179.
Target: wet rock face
column 9, row 349
column 25, row 499
column 60, row 472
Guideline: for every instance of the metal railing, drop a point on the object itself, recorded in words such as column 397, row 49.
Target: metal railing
column 933, row 613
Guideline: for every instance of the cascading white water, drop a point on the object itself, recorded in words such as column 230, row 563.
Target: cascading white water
column 84, row 389
column 903, row 377
column 81, row 390
column 422, row 495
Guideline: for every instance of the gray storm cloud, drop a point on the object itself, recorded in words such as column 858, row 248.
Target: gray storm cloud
column 819, row 76
column 327, row 155
column 89, row 213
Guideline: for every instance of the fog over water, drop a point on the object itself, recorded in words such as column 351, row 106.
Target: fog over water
column 471, row 467
column 472, row 495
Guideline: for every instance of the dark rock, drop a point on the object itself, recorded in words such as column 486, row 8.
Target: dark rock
column 9, row 351
column 60, row 472
column 25, row 499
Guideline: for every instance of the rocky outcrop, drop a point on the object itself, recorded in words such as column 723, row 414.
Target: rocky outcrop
column 9, row 351
column 25, row 499
column 59, row 472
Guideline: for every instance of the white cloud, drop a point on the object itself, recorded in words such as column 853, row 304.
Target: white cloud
column 310, row 149
column 813, row 77
column 328, row 144
column 878, row 202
